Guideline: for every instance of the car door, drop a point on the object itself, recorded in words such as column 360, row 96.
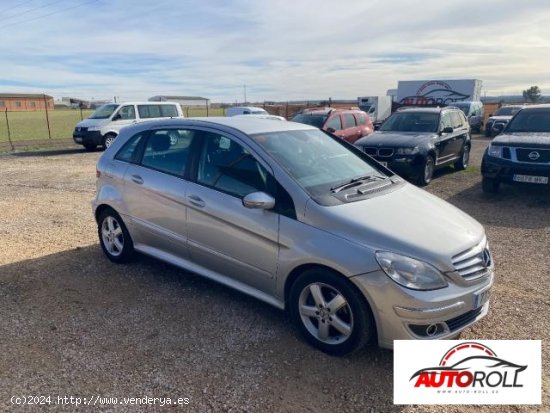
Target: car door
column 443, row 142
column 154, row 192
column 334, row 125
column 460, row 132
column 351, row 132
column 224, row 236
column 126, row 115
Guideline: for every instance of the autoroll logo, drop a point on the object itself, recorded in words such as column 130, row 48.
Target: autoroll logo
column 470, row 365
column 467, row 372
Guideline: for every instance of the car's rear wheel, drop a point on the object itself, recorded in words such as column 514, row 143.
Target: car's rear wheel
column 114, row 237
column 464, row 160
column 330, row 312
column 108, row 140
column 490, row 185
column 427, row 172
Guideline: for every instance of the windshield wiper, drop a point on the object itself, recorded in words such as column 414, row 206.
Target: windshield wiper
column 354, row 181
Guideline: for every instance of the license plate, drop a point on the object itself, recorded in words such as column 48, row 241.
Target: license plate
column 383, row 164
column 78, row 140
column 481, row 298
column 530, row 179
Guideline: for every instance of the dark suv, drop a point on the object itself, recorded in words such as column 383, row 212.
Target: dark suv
column 501, row 117
column 348, row 124
column 415, row 141
column 521, row 153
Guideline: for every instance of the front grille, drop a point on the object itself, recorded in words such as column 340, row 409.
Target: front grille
column 533, row 155
column 79, row 129
column 506, row 154
column 473, row 263
column 464, row 319
column 380, row 152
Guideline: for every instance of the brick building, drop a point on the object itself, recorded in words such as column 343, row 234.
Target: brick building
column 25, row 102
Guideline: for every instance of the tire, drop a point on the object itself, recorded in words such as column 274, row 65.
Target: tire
column 90, row 147
column 427, row 172
column 108, row 140
column 490, row 185
column 321, row 297
column 464, row 160
column 114, row 237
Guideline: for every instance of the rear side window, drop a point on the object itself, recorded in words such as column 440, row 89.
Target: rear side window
column 149, row 111
column 167, row 150
column 446, row 121
column 128, row 151
column 362, row 118
column 456, row 120
column 349, row 121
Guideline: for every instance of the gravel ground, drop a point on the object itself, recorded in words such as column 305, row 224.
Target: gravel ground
column 73, row 324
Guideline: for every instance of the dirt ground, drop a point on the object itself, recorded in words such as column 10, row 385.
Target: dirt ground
column 74, row 324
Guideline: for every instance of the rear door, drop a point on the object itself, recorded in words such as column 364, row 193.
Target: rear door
column 154, row 191
column 224, row 236
column 460, row 132
column 351, row 132
column 444, row 146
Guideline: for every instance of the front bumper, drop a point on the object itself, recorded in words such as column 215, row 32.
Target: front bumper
column 404, row 314
column 404, row 165
column 503, row 170
column 86, row 137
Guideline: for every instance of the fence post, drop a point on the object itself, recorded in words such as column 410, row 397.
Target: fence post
column 286, row 110
column 187, row 112
column 206, row 100
column 47, row 117
column 9, row 133
column 81, row 116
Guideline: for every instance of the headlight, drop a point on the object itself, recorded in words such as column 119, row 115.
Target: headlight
column 407, row 151
column 495, row 151
column 409, row 272
column 94, row 128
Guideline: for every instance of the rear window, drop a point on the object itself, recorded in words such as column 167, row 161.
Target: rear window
column 362, row 118
column 313, row 120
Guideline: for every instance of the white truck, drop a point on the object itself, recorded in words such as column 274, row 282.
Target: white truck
column 377, row 107
column 437, row 92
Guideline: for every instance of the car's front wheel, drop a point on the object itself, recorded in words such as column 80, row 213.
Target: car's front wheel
column 427, row 172
column 108, row 140
column 114, row 237
column 330, row 312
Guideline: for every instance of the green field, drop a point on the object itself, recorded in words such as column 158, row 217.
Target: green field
column 33, row 125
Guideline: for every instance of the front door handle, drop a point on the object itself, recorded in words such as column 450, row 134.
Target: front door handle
column 137, row 179
column 196, row 200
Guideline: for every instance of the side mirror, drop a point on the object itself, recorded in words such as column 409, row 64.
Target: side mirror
column 447, row 129
column 259, row 200
column 331, row 130
column 498, row 128
column 118, row 116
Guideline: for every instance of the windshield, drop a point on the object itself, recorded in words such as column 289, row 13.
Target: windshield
column 507, row 111
column 411, row 122
column 530, row 120
column 314, row 120
column 314, row 160
column 103, row 112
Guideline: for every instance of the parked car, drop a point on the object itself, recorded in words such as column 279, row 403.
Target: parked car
column 263, row 116
column 415, row 141
column 245, row 110
column 521, row 153
column 297, row 218
column 474, row 112
column 104, row 124
column 348, row 124
column 502, row 116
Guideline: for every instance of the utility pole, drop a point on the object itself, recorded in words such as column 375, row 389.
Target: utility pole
column 244, row 86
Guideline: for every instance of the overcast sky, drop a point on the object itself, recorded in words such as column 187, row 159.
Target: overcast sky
column 301, row 49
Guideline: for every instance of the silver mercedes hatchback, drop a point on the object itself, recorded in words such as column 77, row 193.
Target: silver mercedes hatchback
column 299, row 219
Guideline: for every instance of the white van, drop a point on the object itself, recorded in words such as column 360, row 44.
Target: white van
column 103, row 126
column 245, row 110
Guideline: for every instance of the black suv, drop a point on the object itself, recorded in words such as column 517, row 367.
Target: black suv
column 415, row 141
column 521, row 153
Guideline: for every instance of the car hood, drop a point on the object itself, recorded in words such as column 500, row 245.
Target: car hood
column 395, row 139
column 495, row 118
column 523, row 139
column 408, row 221
column 86, row 123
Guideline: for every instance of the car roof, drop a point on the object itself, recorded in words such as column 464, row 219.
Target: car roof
column 326, row 111
column 165, row 102
column 246, row 124
column 540, row 106
column 426, row 109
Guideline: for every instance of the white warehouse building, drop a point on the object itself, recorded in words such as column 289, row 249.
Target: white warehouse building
column 185, row 101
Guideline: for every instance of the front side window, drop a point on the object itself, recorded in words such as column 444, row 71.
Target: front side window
column 334, row 122
column 127, row 112
column 167, row 150
column 227, row 166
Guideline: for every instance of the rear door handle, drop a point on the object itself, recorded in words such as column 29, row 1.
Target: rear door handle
column 196, row 200
column 137, row 179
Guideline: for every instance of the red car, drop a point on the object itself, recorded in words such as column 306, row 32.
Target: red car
column 349, row 124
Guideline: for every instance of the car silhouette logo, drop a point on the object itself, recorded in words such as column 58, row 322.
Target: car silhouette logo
column 534, row 155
